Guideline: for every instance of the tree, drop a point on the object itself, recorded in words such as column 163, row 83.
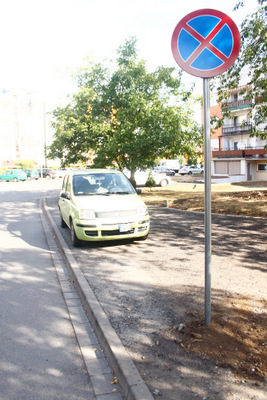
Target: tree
column 128, row 116
column 252, row 62
column 25, row 164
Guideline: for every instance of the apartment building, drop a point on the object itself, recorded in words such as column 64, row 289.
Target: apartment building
column 236, row 155
column 24, row 127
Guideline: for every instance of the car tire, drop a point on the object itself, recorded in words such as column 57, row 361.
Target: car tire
column 190, row 173
column 163, row 183
column 62, row 222
column 142, row 238
column 74, row 240
column 15, row 180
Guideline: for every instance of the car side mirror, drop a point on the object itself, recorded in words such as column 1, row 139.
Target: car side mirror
column 138, row 191
column 65, row 195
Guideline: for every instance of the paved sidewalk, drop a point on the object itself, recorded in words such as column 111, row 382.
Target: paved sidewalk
column 39, row 355
column 104, row 382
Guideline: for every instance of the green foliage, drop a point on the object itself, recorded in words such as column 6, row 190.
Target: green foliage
column 192, row 161
column 252, row 62
column 25, row 164
column 127, row 116
column 150, row 181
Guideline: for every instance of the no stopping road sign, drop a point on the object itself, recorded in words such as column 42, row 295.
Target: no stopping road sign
column 205, row 43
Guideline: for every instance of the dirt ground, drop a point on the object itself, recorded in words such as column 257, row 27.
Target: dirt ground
column 235, row 339
column 237, row 336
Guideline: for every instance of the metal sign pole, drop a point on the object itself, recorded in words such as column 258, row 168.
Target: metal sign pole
column 199, row 40
column 207, row 169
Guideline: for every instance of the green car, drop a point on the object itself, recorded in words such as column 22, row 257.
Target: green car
column 14, row 175
column 99, row 204
column 32, row 173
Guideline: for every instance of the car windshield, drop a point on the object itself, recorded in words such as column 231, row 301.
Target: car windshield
column 101, row 184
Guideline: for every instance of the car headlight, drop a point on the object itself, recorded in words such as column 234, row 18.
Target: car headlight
column 142, row 211
column 87, row 214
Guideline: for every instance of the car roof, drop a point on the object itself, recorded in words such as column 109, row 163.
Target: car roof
column 93, row 171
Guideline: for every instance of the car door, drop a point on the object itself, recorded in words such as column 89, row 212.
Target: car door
column 6, row 176
column 65, row 202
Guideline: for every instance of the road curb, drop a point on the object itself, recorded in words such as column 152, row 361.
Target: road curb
column 131, row 382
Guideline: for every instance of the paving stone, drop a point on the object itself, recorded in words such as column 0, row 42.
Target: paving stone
column 110, row 396
column 90, row 352
column 102, row 384
column 98, row 366
column 83, row 329
column 78, row 315
column 87, row 339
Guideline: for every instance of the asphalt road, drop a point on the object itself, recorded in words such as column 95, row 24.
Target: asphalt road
column 147, row 287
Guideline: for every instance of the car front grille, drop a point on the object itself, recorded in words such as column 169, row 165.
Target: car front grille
column 105, row 233
column 116, row 214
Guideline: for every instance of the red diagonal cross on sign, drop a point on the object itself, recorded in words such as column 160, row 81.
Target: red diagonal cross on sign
column 205, row 43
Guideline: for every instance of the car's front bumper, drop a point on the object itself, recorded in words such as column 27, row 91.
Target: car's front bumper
column 112, row 230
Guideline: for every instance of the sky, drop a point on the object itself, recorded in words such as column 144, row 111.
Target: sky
column 43, row 41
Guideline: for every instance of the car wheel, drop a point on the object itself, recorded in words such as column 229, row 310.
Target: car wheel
column 15, row 180
column 190, row 173
column 163, row 183
column 48, row 177
column 141, row 239
column 62, row 222
column 74, row 240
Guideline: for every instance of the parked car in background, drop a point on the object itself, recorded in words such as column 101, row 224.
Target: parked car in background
column 47, row 173
column 101, row 204
column 171, row 164
column 60, row 173
column 190, row 169
column 31, row 173
column 141, row 177
column 164, row 170
column 14, row 175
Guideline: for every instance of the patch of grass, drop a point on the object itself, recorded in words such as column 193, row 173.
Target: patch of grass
column 248, row 198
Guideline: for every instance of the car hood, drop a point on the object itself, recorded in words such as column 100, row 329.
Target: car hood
column 111, row 202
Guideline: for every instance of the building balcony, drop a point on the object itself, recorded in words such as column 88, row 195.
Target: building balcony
column 236, row 129
column 259, row 152
column 237, row 104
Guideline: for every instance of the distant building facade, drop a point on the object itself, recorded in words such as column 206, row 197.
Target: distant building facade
column 23, row 127
column 236, row 156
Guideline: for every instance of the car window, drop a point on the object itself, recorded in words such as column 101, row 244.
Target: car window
column 101, row 183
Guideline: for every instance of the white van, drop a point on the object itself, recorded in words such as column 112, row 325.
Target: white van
column 171, row 164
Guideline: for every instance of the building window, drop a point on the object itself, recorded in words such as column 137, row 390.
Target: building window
column 227, row 167
column 262, row 167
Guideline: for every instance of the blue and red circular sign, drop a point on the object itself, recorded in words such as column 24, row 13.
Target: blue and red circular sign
column 205, row 43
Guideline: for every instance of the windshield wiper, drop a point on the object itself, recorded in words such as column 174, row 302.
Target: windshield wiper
column 99, row 193
column 84, row 194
